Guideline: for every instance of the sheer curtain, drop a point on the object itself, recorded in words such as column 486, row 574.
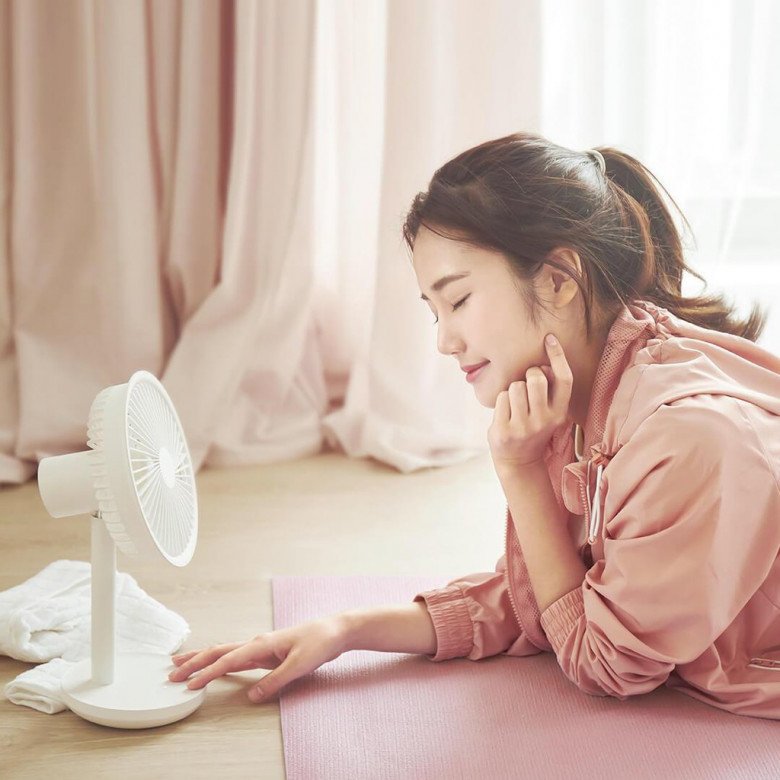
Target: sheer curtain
column 158, row 214
column 441, row 76
column 693, row 89
column 215, row 191
column 690, row 88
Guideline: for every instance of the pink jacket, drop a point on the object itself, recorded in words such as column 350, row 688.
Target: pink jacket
column 682, row 453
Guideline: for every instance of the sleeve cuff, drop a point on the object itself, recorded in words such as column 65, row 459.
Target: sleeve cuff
column 451, row 621
column 561, row 616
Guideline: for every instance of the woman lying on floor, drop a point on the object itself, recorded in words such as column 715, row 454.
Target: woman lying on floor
column 636, row 435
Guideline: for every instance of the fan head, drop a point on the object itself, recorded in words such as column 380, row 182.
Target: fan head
column 138, row 474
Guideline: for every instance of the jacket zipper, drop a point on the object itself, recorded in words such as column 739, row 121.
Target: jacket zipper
column 586, row 513
column 584, row 491
column 765, row 663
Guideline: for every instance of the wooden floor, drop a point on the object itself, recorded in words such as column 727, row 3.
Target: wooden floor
column 321, row 515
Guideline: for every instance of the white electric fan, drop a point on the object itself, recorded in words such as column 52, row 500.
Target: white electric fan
column 138, row 485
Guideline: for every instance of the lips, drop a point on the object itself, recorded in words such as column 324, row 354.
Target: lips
column 469, row 369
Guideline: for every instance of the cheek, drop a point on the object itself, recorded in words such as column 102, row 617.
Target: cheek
column 507, row 339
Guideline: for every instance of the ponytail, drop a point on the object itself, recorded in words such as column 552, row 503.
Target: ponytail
column 660, row 281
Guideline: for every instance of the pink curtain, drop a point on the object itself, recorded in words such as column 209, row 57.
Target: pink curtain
column 213, row 191
column 156, row 214
column 455, row 73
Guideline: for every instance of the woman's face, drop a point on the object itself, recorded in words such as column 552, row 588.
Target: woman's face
column 482, row 316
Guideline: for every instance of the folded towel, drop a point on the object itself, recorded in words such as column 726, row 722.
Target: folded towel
column 48, row 618
column 39, row 687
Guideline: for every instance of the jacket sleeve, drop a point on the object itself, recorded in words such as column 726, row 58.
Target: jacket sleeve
column 691, row 532
column 473, row 617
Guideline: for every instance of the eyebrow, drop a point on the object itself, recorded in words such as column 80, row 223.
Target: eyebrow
column 444, row 281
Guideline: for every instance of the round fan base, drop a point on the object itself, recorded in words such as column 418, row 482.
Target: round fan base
column 140, row 697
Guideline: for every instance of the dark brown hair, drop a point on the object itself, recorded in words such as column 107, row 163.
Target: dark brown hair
column 523, row 196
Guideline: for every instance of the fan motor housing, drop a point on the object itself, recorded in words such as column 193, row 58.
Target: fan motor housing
column 138, row 464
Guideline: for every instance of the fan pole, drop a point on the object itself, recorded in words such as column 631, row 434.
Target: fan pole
column 103, row 602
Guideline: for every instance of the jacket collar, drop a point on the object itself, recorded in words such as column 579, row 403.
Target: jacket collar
column 630, row 331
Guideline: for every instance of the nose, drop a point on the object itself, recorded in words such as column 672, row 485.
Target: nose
column 448, row 341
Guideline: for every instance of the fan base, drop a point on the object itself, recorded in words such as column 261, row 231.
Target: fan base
column 140, row 697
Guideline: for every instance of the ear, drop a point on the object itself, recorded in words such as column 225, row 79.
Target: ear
column 556, row 287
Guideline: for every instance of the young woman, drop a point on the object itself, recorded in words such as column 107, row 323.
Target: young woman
column 636, row 435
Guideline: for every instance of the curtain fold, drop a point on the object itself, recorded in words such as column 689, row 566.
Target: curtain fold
column 246, row 373
column 215, row 191
column 158, row 209
column 448, row 78
column 12, row 468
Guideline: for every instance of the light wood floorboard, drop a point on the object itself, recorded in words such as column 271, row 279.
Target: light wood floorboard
column 326, row 514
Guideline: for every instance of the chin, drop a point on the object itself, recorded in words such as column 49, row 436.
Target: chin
column 488, row 400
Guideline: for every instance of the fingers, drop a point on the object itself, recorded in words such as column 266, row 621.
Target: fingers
column 180, row 659
column 547, row 372
column 536, row 384
column 518, row 401
column 293, row 667
column 502, row 412
column 238, row 660
column 563, row 380
column 197, row 659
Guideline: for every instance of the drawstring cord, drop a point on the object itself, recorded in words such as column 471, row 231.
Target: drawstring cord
column 594, row 507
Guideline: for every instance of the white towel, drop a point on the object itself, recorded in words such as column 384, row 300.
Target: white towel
column 48, row 618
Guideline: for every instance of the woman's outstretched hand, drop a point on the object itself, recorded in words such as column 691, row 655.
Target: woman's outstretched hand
column 290, row 652
column 526, row 414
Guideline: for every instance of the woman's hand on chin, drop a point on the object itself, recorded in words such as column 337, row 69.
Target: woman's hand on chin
column 529, row 411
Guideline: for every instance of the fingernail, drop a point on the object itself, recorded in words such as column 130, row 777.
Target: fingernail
column 551, row 340
column 255, row 695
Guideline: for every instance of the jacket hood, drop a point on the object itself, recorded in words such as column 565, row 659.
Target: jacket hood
column 672, row 359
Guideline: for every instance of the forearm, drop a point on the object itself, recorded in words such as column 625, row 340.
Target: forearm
column 401, row 628
column 550, row 555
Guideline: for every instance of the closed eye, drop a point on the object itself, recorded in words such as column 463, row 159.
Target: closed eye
column 455, row 306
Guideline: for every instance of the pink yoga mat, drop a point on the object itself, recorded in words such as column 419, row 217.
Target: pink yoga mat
column 394, row 715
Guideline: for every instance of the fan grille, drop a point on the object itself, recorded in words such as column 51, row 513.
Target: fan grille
column 161, row 468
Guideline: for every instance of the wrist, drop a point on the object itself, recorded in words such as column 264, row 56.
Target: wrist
column 511, row 470
column 346, row 624
column 397, row 628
